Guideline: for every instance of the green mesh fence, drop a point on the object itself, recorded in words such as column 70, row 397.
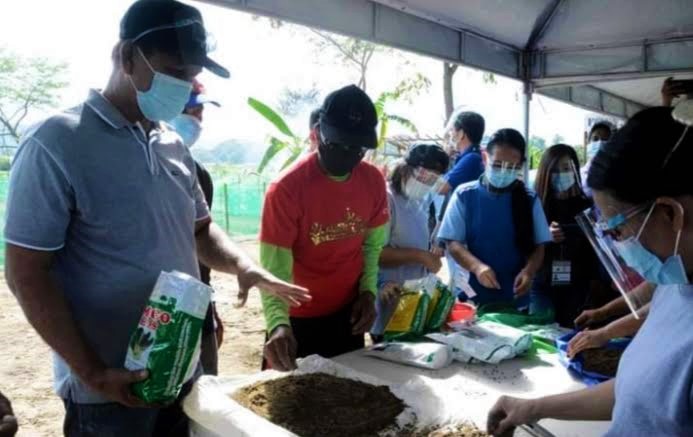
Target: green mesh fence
column 236, row 207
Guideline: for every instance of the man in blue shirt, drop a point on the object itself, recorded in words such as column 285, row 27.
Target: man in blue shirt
column 465, row 133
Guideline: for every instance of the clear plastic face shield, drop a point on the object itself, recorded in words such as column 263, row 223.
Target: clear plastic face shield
column 422, row 185
column 601, row 235
column 501, row 174
column 564, row 176
column 607, row 230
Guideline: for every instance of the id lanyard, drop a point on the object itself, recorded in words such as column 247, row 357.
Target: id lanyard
column 561, row 269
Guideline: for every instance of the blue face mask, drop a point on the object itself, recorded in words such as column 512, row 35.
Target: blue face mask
column 500, row 177
column 593, row 148
column 563, row 181
column 188, row 127
column 648, row 265
column 165, row 98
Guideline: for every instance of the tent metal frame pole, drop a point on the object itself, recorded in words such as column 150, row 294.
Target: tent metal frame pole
column 526, row 106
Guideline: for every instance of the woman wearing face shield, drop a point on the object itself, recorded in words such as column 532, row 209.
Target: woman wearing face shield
column 407, row 253
column 570, row 264
column 495, row 228
column 645, row 197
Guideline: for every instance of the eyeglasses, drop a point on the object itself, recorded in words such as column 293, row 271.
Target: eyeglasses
column 612, row 227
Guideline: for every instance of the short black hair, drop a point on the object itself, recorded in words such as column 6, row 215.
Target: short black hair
column 630, row 169
column 314, row 118
column 602, row 125
column 472, row 124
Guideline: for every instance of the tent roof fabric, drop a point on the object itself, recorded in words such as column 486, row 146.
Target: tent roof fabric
column 607, row 56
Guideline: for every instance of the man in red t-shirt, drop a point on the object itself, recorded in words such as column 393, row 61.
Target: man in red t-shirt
column 323, row 227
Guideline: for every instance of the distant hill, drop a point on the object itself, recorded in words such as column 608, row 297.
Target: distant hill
column 230, row 152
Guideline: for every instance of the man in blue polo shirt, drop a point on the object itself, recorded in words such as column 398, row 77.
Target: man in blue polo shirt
column 465, row 133
column 102, row 198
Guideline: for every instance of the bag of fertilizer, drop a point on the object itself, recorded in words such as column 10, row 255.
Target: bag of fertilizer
column 439, row 309
column 409, row 318
column 433, row 356
column 166, row 341
column 488, row 342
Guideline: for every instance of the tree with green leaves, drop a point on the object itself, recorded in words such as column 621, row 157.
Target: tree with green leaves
column 26, row 84
column 283, row 141
column 406, row 90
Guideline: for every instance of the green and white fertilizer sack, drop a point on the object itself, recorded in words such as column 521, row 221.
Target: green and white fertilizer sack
column 167, row 339
column 488, row 342
column 432, row 356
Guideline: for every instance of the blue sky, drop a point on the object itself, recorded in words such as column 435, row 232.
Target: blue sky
column 263, row 61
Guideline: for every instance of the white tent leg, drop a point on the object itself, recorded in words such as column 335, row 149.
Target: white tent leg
column 526, row 99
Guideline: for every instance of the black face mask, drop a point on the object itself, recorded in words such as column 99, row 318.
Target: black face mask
column 338, row 160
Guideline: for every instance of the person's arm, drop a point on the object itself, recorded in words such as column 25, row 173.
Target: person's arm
column 372, row 249
column 641, row 295
column 217, row 251
column 623, row 327
column 594, row 403
column 670, row 91
column 484, row 274
column 40, row 204
column 27, row 273
column 8, row 422
column 466, row 169
column 397, row 256
column 278, row 233
column 280, row 262
column 542, row 236
column 453, row 232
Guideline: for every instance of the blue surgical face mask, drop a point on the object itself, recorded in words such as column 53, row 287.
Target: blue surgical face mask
column 188, row 127
column 593, row 148
column 563, row 181
column 500, row 177
column 165, row 98
column 648, row 265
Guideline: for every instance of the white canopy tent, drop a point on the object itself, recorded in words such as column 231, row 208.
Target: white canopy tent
column 609, row 56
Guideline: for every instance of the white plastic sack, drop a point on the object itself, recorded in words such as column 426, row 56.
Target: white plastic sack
column 488, row 342
column 433, row 356
column 214, row 413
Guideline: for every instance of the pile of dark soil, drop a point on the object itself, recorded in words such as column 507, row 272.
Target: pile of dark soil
column 323, row 405
column 602, row 361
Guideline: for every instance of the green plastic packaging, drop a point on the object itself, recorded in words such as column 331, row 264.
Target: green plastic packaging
column 441, row 305
column 166, row 341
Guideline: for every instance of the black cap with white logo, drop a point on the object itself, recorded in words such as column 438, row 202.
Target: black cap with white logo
column 349, row 118
column 174, row 27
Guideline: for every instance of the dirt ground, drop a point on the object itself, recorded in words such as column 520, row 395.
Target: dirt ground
column 25, row 361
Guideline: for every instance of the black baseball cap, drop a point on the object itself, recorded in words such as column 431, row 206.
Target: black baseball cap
column 348, row 118
column 174, row 27
column 429, row 156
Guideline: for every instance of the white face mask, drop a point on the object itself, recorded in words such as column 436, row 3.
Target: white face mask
column 188, row 127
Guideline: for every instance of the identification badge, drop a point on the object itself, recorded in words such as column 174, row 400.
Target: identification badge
column 560, row 273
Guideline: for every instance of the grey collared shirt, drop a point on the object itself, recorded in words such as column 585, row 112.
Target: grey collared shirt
column 116, row 207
